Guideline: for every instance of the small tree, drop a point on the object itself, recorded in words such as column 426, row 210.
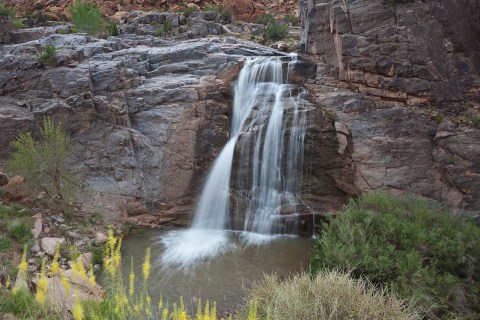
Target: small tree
column 87, row 18
column 44, row 165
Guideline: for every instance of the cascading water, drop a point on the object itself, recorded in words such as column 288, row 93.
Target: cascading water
column 270, row 147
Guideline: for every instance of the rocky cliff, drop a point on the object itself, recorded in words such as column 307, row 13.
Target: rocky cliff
column 405, row 77
column 148, row 115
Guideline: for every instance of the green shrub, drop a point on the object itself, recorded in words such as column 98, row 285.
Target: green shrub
column 328, row 295
column 5, row 244
column 291, row 19
column 275, row 30
column 17, row 23
column 224, row 12
column 188, row 12
column 20, row 232
column 7, row 11
column 411, row 246
column 112, row 29
column 47, row 56
column 266, row 19
column 166, row 27
column 44, row 166
column 87, row 18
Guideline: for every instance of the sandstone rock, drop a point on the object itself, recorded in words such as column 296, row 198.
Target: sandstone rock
column 86, row 260
column 245, row 10
column 80, row 288
column 49, row 244
column 37, row 225
column 100, row 238
column 15, row 189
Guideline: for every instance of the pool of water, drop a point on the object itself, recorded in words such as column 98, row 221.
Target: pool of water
column 222, row 278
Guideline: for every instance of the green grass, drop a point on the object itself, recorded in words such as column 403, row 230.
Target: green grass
column 20, row 232
column 5, row 244
column 411, row 246
column 22, row 305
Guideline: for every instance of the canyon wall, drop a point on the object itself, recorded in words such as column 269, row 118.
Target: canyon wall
column 405, row 78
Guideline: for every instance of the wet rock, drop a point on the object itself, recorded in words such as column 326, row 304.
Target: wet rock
column 48, row 244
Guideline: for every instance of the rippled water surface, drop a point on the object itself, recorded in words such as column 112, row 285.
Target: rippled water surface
column 220, row 279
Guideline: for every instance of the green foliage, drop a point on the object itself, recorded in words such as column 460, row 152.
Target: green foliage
column 291, row 19
column 22, row 305
column 266, row 19
column 276, row 30
column 17, row 23
column 470, row 118
column 20, row 232
column 5, row 244
column 7, row 11
column 87, row 18
column 411, row 246
column 224, row 12
column 328, row 295
column 165, row 28
column 48, row 55
column 188, row 12
column 44, row 165
column 112, row 29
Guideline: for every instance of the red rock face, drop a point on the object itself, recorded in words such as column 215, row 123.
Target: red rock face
column 245, row 10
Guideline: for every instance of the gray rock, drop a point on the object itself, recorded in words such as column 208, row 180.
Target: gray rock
column 49, row 244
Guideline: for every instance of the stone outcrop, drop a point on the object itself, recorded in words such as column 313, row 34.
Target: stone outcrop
column 403, row 77
column 245, row 10
column 5, row 30
column 147, row 115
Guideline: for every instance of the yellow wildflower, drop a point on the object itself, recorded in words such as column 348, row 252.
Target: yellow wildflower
column 65, row 282
column 198, row 315
column 213, row 312
column 117, row 255
column 146, row 266
column 54, row 266
column 206, row 313
column 77, row 310
column 42, row 285
column 111, row 240
column 91, row 276
column 23, row 264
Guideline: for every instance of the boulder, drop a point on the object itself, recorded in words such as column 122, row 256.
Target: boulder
column 37, row 225
column 100, row 238
column 49, row 244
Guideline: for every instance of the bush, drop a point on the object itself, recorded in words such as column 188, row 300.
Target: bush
column 44, row 165
column 112, row 29
column 275, row 30
column 87, row 18
column 20, row 232
column 328, row 295
column 412, row 247
column 48, row 55
column 7, row 11
column 5, row 244
column 224, row 12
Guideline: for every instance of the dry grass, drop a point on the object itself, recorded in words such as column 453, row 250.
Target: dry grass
column 329, row 295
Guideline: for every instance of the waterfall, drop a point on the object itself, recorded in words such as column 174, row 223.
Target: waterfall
column 268, row 147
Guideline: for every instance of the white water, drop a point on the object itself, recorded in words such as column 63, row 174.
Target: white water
column 261, row 97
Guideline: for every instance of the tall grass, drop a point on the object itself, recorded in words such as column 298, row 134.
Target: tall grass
column 328, row 295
